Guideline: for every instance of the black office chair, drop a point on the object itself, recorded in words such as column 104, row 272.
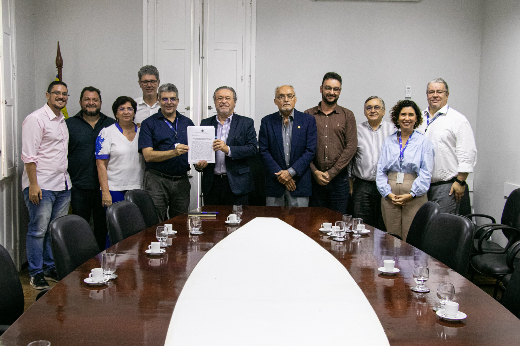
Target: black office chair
column 11, row 297
column 510, row 217
column 73, row 243
column 422, row 219
column 449, row 239
column 123, row 220
column 511, row 297
column 497, row 265
column 144, row 202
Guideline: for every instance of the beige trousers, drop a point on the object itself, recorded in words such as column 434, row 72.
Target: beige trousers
column 398, row 219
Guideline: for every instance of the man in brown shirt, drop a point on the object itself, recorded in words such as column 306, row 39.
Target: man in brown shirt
column 337, row 144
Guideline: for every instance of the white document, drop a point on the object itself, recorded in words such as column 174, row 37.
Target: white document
column 200, row 141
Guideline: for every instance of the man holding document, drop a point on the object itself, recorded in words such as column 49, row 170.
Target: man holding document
column 228, row 181
column 164, row 143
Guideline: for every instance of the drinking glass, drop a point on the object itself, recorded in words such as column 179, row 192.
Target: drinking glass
column 420, row 275
column 162, row 234
column 195, row 223
column 347, row 219
column 445, row 293
column 237, row 209
column 39, row 343
column 356, row 221
column 340, row 231
column 108, row 263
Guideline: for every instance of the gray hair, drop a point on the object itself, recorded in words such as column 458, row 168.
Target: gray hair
column 148, row 69
column 168, row 88
column 227, row 88
column 278, row 89
column 438, row 80
column 376, row 97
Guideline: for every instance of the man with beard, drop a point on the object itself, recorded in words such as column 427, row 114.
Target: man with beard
column 148, row 104
column 337, row 144
column 84, row 128
column 287, row 142
column 45, row 181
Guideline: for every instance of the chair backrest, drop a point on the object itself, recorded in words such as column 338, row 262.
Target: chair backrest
column 449, row 238
column 511, row 212
column 11, row 297
column 511, row 297
column 420, row 222
column 123, row 220
column 144, row 202
column 73, row 243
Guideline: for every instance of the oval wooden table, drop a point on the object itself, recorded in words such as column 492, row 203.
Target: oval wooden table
column 136, row 308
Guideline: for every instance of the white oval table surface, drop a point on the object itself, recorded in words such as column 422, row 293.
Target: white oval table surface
column 269, row 284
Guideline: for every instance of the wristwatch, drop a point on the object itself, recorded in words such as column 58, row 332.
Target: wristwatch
column 461, row 182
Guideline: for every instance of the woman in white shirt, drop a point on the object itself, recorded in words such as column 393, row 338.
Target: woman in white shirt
column 120, row 166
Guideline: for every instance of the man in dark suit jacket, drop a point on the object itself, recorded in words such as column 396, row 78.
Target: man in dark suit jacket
column 229, row 180
column 287, row 143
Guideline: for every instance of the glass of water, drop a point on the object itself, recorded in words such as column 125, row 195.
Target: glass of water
column 161, row 233
column 108, row 263
column 355, row 222
column 195, row 224
column 237, row 209
column 420, row 275
column 347, row 219
column 445, row 293
column 340, row 231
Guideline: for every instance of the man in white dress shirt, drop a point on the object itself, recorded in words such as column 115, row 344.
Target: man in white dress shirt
column 371, row 135
column 148, row 104
column 455, row 149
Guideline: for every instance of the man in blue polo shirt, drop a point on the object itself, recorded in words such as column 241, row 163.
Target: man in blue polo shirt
column 164, row 143
column 84, row 128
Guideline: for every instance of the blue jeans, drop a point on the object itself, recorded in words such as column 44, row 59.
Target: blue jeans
column 52, row 205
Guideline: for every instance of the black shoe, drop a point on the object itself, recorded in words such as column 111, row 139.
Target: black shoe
column 52, row 275
column 38, row 282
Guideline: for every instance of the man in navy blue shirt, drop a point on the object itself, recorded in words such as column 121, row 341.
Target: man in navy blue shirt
column 84, row 128
column 163, row 140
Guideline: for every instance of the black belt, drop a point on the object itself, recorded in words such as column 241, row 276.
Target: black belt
column 162, row 175
column 222, row 176
column 371, row 182
column 451, row 181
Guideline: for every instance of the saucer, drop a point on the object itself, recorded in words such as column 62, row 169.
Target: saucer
column 233, row 223
column 460, row 316
column 383, row 271
column 365, row 231
column 149, row 251
column 323, row 230
column 111, row 276
column 172, row 232
column 89, row 281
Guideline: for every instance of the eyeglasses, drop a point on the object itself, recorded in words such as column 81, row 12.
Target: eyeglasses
column 58, row 93
column 148, row 82
column 432, row 92
column 171, row 99
column 329, row 88
column 122, row 109
column 376, row 108
column 282, row 97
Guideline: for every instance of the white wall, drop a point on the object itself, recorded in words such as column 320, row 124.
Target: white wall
column 377, row 47
column 498, row 121
column 101, row 44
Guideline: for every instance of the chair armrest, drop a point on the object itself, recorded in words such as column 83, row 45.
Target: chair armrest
column 471, row 216
column 480, row 229
column 511, row 254
column 487, row 233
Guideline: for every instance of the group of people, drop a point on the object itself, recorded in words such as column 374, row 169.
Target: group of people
column 314, row 158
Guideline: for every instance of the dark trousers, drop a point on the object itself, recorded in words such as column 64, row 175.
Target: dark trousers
column 168, row 195
column 87, row 202
column 367, row 203
column 334, row 195
column 221, row 194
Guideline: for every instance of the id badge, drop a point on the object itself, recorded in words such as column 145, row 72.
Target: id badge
column 400, row 178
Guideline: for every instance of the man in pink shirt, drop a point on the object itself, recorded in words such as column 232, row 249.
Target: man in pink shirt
column 45, row 181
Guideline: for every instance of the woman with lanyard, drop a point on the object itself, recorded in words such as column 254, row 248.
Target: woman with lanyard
column 404, row 169
column 120, row 165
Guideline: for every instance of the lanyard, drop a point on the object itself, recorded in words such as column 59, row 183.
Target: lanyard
column 429, row 121
column 401, row 149
column 171, row 127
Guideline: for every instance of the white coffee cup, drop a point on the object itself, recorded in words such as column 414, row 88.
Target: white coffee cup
column 168, row 227
column 361, row 227
column 335, row 231
column 389, row 265
column 451, row 309
column 326, row 225
column 155, row 247
column 96, row 274
column 232, row 218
